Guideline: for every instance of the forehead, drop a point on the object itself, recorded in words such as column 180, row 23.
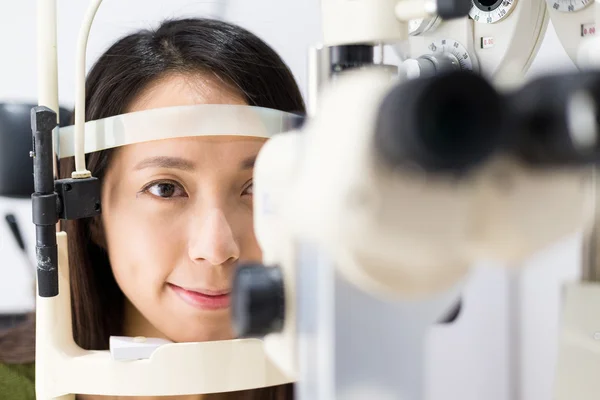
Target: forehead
column 182, row 90
column 206, row 152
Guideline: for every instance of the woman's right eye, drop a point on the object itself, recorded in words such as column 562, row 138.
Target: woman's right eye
column 165, row 190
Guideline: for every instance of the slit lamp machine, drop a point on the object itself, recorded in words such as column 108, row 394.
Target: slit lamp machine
column 370, row 211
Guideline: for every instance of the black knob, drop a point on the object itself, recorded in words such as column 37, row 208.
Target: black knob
column 258, row 301
column 450, row 9
column 448, row 123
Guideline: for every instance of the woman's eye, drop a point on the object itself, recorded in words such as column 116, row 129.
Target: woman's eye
column 249, row 191
column 165, row 190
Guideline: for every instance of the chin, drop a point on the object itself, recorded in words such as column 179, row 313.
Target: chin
column 203, row 335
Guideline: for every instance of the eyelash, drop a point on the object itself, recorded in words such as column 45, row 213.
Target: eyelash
column 146, row 189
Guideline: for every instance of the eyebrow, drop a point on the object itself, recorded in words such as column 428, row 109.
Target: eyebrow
column 183, row 164
column 166, row 162
column 248, row 163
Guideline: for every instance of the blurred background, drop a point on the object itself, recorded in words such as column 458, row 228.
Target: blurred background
column 469, row 359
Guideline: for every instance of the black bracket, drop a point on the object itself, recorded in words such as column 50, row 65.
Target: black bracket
column 78, row 198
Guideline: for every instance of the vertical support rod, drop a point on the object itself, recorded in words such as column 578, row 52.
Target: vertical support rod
column 47, row 61
column 318, row 75
column 44, row 201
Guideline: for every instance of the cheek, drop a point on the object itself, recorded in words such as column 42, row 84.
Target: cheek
column 250, row 250
column 144, row 248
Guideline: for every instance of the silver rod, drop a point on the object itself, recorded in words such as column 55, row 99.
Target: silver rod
column 318, row 74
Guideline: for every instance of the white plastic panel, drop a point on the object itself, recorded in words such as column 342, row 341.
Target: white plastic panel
column 505, row 46
column 573, row 27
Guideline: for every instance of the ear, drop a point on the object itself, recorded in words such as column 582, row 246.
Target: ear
column 97, row 232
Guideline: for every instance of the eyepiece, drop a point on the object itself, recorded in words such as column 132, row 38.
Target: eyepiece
column 442, row 124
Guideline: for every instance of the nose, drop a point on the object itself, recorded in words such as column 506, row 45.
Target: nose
column 213, row 240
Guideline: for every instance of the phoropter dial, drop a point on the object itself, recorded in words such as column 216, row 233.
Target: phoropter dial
column 451, row 47
column 446, row 55
column 491, row 11
column 568, row 6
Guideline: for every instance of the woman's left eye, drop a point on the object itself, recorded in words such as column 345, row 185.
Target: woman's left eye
column 165, row 190
column 249, row 191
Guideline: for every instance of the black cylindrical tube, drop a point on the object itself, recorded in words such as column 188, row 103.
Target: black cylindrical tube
column 45, row 235
column 43, row 176
column 545, row 131
column 446, row 124
column 350, row 56
column 46, row 255
column 258, row 301
column 45, row 216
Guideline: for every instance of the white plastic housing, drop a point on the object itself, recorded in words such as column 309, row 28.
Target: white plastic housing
column 361, row 21
column 588, row 53
column 374, row 224
column 65, row 369
column 568, row 27
column 579, row 343
column 516, row 39
column 403, row 233
column 517, row 211
column 274, row 171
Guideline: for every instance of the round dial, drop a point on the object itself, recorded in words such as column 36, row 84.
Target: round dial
column 568, row 5
column 450, row 46
column 491, row 11
column 419, row 26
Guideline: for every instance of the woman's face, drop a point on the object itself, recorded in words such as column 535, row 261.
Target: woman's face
column 177, row 218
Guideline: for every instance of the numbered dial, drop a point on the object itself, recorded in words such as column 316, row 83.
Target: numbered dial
column 491, row 11
column 568, row 5
column 417, row 27
column 450, row 46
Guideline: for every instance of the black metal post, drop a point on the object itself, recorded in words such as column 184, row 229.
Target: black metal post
column 45, row 213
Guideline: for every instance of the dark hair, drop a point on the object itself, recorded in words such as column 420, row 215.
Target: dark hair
column 236, row 57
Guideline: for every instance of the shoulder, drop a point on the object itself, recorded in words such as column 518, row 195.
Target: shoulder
column 17, row 381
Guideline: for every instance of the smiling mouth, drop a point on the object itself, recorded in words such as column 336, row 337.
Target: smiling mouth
column 205, row 299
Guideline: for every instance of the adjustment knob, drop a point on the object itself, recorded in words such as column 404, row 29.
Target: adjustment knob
column 258, row 301
column 431, row 65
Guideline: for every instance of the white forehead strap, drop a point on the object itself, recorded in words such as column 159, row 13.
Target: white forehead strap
column 178, row 122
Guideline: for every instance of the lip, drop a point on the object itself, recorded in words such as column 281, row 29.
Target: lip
column 202, row 298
